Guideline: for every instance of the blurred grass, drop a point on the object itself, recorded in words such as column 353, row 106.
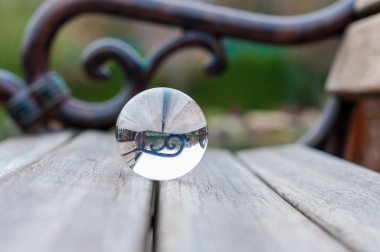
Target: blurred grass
column 14, row 16
column 260, row 77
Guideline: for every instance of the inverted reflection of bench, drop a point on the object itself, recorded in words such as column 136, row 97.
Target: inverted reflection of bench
column 71, row 191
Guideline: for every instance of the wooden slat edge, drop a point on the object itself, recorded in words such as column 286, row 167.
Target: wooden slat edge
column 80, row 198
column 220, row 206
column 341, row 197
column 354, row 72
column 18, row 152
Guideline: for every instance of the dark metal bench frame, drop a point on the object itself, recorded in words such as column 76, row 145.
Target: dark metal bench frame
column 44, row 96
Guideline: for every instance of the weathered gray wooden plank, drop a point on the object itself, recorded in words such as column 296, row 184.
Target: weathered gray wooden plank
column 18, row 152
column 220, row 206
column 342, row 197
column 354, row 72
column 81, row 198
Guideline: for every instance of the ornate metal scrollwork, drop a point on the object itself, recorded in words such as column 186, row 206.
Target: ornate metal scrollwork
column 138, row 71
column 204, row 26
column 171, row 142
column 18, row 101
column 161, row 144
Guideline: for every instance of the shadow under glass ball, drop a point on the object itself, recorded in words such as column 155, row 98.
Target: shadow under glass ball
column 161, row 133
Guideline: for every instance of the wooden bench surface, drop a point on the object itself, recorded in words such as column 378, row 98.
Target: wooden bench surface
column 72, row 192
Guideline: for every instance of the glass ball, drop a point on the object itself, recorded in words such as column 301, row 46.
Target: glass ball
column 161, row 133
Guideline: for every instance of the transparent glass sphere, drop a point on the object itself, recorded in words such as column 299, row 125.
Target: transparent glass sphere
column 161, row 133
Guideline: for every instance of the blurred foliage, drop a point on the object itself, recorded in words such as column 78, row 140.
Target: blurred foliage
column 14, row 15
column 260, row 77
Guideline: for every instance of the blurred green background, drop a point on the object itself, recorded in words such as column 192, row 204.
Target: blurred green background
column 268, row 94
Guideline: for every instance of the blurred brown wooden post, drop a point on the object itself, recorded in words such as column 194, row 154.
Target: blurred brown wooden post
column 355, row 76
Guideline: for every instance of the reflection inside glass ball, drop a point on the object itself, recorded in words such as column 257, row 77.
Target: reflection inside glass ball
column 161, row 133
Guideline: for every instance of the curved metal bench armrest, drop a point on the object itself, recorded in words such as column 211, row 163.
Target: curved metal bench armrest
column 204, row 26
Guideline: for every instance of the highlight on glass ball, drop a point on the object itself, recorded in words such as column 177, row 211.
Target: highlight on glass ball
column 161, row 134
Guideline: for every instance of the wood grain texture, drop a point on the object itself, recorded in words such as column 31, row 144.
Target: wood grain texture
column 221, row 206
column 342, row 197
column 80, row 198
column 18, row 152
column 355, row 70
